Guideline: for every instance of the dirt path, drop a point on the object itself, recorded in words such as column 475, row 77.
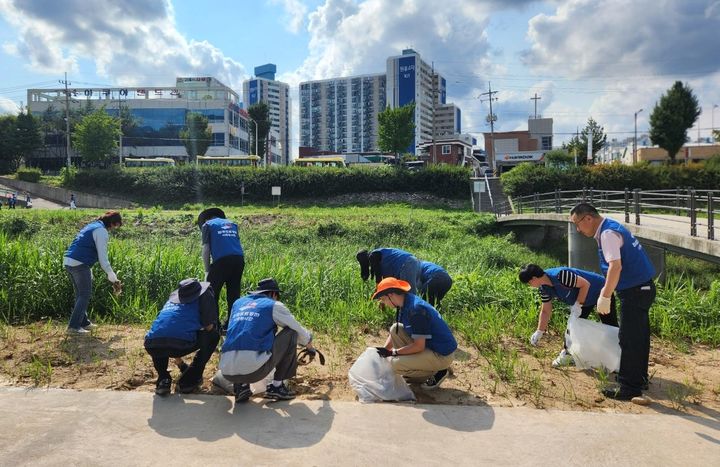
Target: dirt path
column 113, row 359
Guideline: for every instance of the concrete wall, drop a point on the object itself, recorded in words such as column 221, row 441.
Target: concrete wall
column 62, row 196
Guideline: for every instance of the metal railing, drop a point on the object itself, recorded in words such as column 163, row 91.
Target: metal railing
column 487, row 186
column 684, row 206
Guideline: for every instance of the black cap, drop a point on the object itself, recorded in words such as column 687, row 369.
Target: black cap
column 208, row 214
column 188, row 290
column 267, row 285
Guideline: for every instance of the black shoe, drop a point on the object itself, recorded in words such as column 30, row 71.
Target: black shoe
column 621, row 393
column 279, row 393
column 162, row 387
column 189, row 388
column 435, row 380
column 242, row 392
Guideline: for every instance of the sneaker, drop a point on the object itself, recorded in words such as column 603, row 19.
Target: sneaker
column 621, row 393
column 190, row 388
column 242, row 392
column 279, row 393
column 77, row 332
column 90, row 327
column 435, row 380
column 563, row 359
column 162, row 388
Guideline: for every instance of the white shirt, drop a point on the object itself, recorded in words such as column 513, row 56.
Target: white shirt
column 101, row 238
column 609, row 242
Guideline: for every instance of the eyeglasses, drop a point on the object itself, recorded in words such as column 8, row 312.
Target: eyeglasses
column 577, row 222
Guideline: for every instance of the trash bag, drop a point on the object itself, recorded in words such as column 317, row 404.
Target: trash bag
column 256, row 388
column 373, row 379
column 592, row 344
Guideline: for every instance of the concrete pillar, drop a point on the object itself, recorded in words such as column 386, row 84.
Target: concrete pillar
column 582, row 251
column 657, row 258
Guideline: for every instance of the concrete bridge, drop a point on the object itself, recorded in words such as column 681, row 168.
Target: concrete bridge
column 691, row 234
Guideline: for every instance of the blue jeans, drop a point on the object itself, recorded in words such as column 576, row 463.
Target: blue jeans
column 81, row 279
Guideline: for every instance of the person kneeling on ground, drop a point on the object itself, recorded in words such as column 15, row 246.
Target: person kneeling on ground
column 187, row 322
column 578, row 288
column 420, row 346
column 252, row 349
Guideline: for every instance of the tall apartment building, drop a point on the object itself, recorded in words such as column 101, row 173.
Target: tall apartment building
column 411, row 79
column 159, row 113
column 276, row 94
column 340, row 114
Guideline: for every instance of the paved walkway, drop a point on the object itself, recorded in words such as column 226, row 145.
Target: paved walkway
column 63, row 427
column 38, row 203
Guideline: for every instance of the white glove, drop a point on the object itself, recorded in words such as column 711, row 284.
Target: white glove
column 535, row 338
column 603, row 305
column 576, row 310
column 112, row 277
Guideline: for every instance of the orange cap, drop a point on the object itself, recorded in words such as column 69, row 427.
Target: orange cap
column 389, row 285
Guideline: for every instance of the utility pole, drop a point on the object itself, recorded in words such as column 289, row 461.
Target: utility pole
column 635, row 139
column 536, row 98
column 491, row 118
column 67, row 120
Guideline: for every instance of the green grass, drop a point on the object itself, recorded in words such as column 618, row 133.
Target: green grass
column 311, row 252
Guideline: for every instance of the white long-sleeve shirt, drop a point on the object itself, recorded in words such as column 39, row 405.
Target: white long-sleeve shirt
column 101, row 238
column 244, row 362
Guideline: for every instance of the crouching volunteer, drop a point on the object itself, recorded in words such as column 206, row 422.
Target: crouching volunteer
column 252, row 348
column 390, row 262
column 435, row 282
column 575, row 287
column 188, row 322
column 420, row 346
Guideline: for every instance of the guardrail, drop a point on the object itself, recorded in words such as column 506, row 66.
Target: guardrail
column 700, row 207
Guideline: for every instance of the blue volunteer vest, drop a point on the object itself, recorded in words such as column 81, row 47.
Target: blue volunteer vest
column 569, row 295
column 224, row 239
column 177, row 321
column 636, row 266
column 442, row 340
column 83, row 247
column 392, row 262
column 428, row 271
column 251, row 325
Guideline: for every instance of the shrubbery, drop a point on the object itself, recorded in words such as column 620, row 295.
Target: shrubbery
column 29, row 175
column 188, row 184
column 527, row 179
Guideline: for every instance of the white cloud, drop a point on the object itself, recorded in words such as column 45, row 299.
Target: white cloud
column 131, row 41
column 7, row 106
column 295, row 12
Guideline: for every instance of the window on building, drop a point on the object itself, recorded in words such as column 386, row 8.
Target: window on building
column 546, row 143
column 446, row 149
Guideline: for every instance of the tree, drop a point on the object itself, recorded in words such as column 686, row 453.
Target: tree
column 396, row 128
column 196, row 136
column 577, row 146
column 558, row 158
column 260, row 115
column 27, row 138
column 96, row 137
column 671, row 118
column 8, row 159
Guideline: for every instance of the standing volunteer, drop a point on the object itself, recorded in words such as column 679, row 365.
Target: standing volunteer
column 575, row 287
column 89, row 247
column 188, row 322
column 390, row 262
column 435, row 282
column 629, row 272
column 420, row 346
column 252, row 348
column 222, row 254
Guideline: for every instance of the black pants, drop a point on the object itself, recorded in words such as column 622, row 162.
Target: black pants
column 634, row 336
column 227, row 271
column 205, row 345
column 283, row 359
column 610, row 319
column 437, row 288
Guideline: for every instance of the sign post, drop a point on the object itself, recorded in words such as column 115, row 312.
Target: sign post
column 276, row 192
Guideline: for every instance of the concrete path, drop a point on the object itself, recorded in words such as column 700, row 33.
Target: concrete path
column 38, row 203
column 62, row 427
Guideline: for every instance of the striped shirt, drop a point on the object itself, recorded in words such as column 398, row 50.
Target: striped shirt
column 566, row 278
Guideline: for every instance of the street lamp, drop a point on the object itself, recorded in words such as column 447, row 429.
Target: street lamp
column 635, row 139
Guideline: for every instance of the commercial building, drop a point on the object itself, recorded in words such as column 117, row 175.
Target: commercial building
column 451, row 149
column 510, row 148
column 276, row 94
column 339, row 115
column 158, row 115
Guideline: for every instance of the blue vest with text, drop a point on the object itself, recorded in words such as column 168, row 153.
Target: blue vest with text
column 83, row 247
column 251, row 325
column 569, row 294
column 177, row 321
column 224, row 239
column 636, row 266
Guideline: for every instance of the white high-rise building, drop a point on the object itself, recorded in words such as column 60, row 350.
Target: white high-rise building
column 276, row 94
column 340, row 114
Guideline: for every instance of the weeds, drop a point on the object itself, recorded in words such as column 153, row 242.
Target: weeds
column 681, row 393
column 39, row 371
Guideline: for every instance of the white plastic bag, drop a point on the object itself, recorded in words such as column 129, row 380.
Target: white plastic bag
column 373, row 379
column 592, row 344
column 256, row 388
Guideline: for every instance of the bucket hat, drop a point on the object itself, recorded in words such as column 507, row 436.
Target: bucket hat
column 188, row 290
column 390, row 285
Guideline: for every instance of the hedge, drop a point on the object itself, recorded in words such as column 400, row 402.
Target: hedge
column 29, row 175
column 184, row 184
column 527, row 179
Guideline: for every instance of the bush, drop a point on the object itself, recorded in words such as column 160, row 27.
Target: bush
column 29, row 175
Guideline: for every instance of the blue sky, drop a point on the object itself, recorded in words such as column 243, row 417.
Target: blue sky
column 584, row 58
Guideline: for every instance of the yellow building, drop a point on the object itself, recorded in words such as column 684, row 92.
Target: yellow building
column 688, row 153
